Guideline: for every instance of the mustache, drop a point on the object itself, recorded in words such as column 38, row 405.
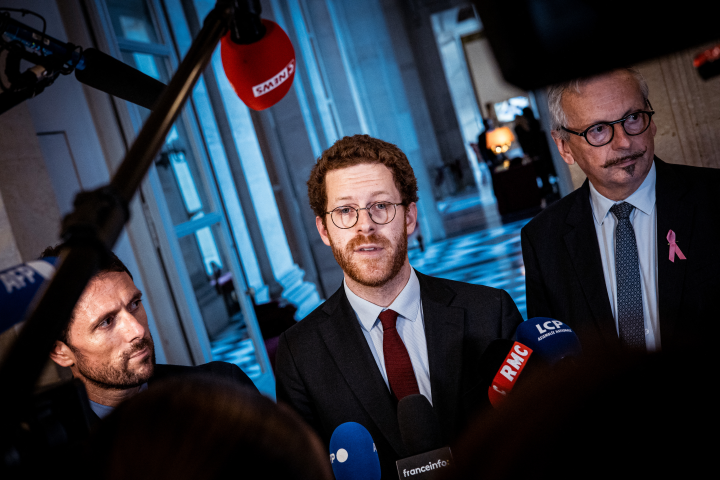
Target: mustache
column 137, row 346
column 361, row 240
column 616, row 161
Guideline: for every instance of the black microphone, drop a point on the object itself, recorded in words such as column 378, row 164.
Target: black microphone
column 110, row 75
column 92, row 67
column 420, row 431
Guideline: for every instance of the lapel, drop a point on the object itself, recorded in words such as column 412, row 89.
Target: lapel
column 346, row 343
column 670, row 192
column 584, row 250
column 444, row 333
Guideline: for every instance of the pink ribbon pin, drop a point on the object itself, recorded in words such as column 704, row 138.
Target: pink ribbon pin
column 674, row 248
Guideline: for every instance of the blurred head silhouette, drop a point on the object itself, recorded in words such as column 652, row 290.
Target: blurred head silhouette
column 644, row 417
column 195, row 428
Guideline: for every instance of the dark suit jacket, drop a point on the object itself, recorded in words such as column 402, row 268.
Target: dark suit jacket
column 564, row 273
column 217, row 370
column 326, row 371
column 213, row 370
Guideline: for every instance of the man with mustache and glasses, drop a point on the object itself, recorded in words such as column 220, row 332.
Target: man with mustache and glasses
column 630, row 259
column 389, row 331
column 108, row 345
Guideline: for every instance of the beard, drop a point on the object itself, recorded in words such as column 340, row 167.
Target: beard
column 118, row 376
column 374, row 272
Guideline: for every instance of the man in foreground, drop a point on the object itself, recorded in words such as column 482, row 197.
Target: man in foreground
column 388, row 331
column 108, row 346
column 629, row 260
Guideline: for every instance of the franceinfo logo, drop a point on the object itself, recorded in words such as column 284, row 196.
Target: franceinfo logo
column 426, row 468
column 432, row 465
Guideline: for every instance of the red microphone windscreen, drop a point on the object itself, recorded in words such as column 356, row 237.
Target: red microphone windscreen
column 509, row 371
column 262, row 72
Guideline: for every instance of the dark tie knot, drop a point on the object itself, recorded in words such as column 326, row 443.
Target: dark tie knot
column 388, row 318
column 622, row 210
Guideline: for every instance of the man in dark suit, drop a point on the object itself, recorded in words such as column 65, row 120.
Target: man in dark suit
column 388, row 331
column 107, row 344
column 630, row 259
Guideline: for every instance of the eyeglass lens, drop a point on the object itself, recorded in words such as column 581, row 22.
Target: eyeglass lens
column 633, row 124
column 380, row 213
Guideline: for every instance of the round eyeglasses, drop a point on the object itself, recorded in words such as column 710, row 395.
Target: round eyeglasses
column 379, row 212
column 602, row 133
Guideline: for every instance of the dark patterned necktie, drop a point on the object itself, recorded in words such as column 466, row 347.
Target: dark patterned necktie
column 631, row 321
column 397, row 361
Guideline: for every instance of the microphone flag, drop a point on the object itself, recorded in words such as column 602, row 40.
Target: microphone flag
column 508, row 373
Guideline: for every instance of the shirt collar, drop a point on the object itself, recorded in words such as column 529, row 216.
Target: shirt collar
column 406, row 303
column 643, row 199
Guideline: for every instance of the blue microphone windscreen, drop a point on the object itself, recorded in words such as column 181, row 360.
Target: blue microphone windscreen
column 18, row 287
column 549, row 339
column 352, row 453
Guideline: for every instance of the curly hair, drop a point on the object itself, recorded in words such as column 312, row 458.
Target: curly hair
column 356, row 150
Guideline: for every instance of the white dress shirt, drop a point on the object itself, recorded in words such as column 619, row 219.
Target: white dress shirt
column 410, row 326
column 644, row 222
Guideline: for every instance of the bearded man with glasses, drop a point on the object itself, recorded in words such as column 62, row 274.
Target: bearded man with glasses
column 388, row 331
column 630, row 259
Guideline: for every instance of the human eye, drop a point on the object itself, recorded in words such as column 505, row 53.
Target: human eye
column 381, row 206
column 345, row 210
column 598, row 129
column 633, row 118
column 106, row 322
column 135, row 304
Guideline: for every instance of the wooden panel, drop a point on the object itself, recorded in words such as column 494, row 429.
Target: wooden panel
column 688, row 110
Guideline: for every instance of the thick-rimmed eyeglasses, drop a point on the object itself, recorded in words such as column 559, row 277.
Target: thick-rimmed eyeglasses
column 602, row 133
column 379, row 212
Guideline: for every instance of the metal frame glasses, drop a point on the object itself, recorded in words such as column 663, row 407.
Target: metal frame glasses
column 342, row 216
column 598, row 127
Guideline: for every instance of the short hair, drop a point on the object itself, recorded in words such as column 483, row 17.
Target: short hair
column 201, row 427
column 108, row 263
column 558, row 118
column 356, row 150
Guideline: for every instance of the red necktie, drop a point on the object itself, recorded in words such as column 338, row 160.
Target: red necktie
column 397, row 361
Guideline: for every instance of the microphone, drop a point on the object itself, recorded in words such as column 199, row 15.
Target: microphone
column 108, row 74
column 420, row 431
column 260, row 72
column 544, row 340
column 353, row 455
column 18, row 288
column 508, row 373
column 550, row 339
column 92, row 67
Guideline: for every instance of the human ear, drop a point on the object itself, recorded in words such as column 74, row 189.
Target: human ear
column 564, row 148
column 322, row 231
column 62, row 355
column 411, row 217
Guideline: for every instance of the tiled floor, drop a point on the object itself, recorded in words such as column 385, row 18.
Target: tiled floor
column 491, row 257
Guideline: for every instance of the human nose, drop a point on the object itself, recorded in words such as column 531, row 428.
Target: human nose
column 621, row 139
column 132, row 327
column 365, row 223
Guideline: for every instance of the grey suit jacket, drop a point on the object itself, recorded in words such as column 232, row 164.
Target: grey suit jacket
column 326, row 372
